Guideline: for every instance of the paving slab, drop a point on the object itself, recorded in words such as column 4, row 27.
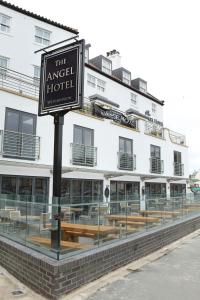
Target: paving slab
column 172, row 273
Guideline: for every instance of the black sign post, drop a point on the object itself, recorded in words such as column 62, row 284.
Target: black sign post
column 61, row 90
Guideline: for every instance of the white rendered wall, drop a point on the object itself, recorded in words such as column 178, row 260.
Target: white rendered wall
column 19, row 44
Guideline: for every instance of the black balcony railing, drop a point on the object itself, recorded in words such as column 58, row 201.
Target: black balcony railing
column 178, row 169
column 83, row 155
column 19, row 145
column 156, row 165
column 19, row 83
column 126, row 161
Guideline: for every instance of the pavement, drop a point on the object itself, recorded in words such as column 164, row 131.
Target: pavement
column 172, row 273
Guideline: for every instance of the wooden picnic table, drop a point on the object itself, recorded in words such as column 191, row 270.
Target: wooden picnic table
column 64, row 244
column 72, row 231
column 114, row 218
column 160, row 213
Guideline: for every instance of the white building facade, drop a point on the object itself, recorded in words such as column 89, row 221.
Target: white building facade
column 118, row 140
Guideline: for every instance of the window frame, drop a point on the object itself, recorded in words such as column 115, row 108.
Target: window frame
column 134, row 101
column 6, row 26
column 83, row 130
column 126, row 77
column 125, row 141
column 105, row 68
column 43, row 39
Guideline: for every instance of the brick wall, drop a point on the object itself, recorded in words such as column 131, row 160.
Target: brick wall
column 53, row 278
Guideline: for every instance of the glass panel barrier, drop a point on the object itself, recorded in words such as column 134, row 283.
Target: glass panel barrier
column 66, row 226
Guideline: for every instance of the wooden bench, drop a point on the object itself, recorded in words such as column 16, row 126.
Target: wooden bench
column 132, row 223
column 159, row 213
column 64, row 244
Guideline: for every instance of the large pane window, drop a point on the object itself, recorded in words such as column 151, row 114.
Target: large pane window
column 177, row 157
column 83, row 136
column 124, row 190
column 81, row 190
column 8, row 185
column 177, row 190
column 19, row 135
column 155, row 190
column 155, row 151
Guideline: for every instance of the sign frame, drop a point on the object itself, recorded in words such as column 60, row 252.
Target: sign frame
column 77, row 102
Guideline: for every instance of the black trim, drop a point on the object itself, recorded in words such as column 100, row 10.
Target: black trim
column 149, row 96
column 38, row 17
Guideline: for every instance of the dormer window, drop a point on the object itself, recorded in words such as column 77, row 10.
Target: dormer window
column 4, row 23
column 143, row 86
column 106, row 66
column 126, row 77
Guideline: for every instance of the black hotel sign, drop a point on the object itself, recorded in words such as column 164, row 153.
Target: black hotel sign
column 62, row 82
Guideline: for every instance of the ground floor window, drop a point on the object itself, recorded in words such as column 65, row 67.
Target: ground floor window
column 34, row 189
column 124, row 190
column 155, row 190
column 81, row 190
column 177, row 189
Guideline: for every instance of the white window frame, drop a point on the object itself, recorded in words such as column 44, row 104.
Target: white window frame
column 95, row 82
column 36, row 75
column 91, row 80
column 153, row 108
column 42, row 39
column 126, row 77
column 133, row 99
column 106, row 66
column 3, row 69
column 101, row 85
column 5, row 25
column 143, row 86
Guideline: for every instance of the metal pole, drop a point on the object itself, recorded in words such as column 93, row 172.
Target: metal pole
column 57, row 174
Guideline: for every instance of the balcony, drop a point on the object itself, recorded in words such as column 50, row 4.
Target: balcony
column 126, row 161
column 154, row 130
column 19, row 145
column 177, row 138
column 156, row 165
column 178, row 169
column 19, row 83
column 83, row 155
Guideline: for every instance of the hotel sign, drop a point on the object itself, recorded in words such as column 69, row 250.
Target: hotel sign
column 116, row 116
column 62, row 79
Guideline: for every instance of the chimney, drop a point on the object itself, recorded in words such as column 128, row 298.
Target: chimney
column 115, row 57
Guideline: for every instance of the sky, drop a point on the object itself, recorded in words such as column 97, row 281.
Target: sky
column 158, row 40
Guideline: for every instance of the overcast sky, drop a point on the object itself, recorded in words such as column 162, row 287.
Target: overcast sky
column 158, row 40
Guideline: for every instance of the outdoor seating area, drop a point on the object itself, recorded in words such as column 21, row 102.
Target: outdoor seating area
column 84, row 226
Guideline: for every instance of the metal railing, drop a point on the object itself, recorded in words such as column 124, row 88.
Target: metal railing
column 154, row 129
column 83, row 155
column 126, row 161
column 19, row 83
column 19, row 145
column 177, row 138
column 156, row 165
column 178, row 169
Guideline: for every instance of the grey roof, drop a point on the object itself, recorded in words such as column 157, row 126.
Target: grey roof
column 38, row 17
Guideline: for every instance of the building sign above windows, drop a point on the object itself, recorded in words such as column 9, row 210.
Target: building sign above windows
column 114, row 115
column 62, row 82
